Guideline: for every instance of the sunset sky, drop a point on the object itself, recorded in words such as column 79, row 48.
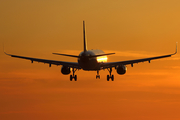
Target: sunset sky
column 131, row 28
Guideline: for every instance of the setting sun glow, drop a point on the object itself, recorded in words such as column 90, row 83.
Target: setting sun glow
column 102, row 59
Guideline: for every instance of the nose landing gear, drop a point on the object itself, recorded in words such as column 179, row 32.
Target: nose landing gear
column 73, row 76
column 110, row 76
column 97, row 76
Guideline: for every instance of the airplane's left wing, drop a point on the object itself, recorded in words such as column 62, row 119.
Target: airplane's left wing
column 50, row 62
column 114, row 64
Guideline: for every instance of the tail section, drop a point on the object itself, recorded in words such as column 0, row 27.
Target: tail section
column 85, row 48
column 84, row 35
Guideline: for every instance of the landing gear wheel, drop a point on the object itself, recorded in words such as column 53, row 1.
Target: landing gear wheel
column 75, row 77
column 112, row 77
column 71, row 77
column 107, row 77
column 97, row 76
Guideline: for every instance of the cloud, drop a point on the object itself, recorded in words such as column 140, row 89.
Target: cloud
column 155, row 73
column 132, row 53
column 175, row 67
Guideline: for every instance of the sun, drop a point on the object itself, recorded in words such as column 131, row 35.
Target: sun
column 102, row 59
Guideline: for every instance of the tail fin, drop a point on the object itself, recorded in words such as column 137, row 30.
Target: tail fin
column 84, row 35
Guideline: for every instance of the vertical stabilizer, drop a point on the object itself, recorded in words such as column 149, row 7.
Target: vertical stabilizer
column 84, row 35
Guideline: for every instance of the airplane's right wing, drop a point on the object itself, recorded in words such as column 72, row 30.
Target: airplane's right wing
column 114, row 64
column 50, row 62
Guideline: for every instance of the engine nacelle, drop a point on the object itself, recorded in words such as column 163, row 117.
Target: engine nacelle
column 65, row 70
column 121, row 69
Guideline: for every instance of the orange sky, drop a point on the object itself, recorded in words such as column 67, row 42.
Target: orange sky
column 131, row 28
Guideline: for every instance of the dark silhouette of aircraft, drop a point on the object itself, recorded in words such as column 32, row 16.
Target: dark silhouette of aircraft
column 91, row 60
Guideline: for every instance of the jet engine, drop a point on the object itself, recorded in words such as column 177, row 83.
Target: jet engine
column 121, row 69
column 65, row 70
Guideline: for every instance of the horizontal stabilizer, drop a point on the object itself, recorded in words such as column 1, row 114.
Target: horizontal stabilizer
column 79, row 56
column 66, row 55
column 101, row 55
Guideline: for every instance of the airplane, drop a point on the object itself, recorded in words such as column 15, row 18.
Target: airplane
column 91, row 60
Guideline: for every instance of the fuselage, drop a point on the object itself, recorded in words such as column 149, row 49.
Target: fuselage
column 87, row 62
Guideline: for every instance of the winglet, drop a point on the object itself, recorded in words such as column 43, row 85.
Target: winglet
column 176, row 47
column 4, row 50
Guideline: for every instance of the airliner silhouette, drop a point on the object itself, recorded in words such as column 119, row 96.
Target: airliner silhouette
column 91, row 60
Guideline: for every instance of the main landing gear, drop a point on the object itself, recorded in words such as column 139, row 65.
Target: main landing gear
column 73, row 76
column 97, row 76
column 110, row 76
